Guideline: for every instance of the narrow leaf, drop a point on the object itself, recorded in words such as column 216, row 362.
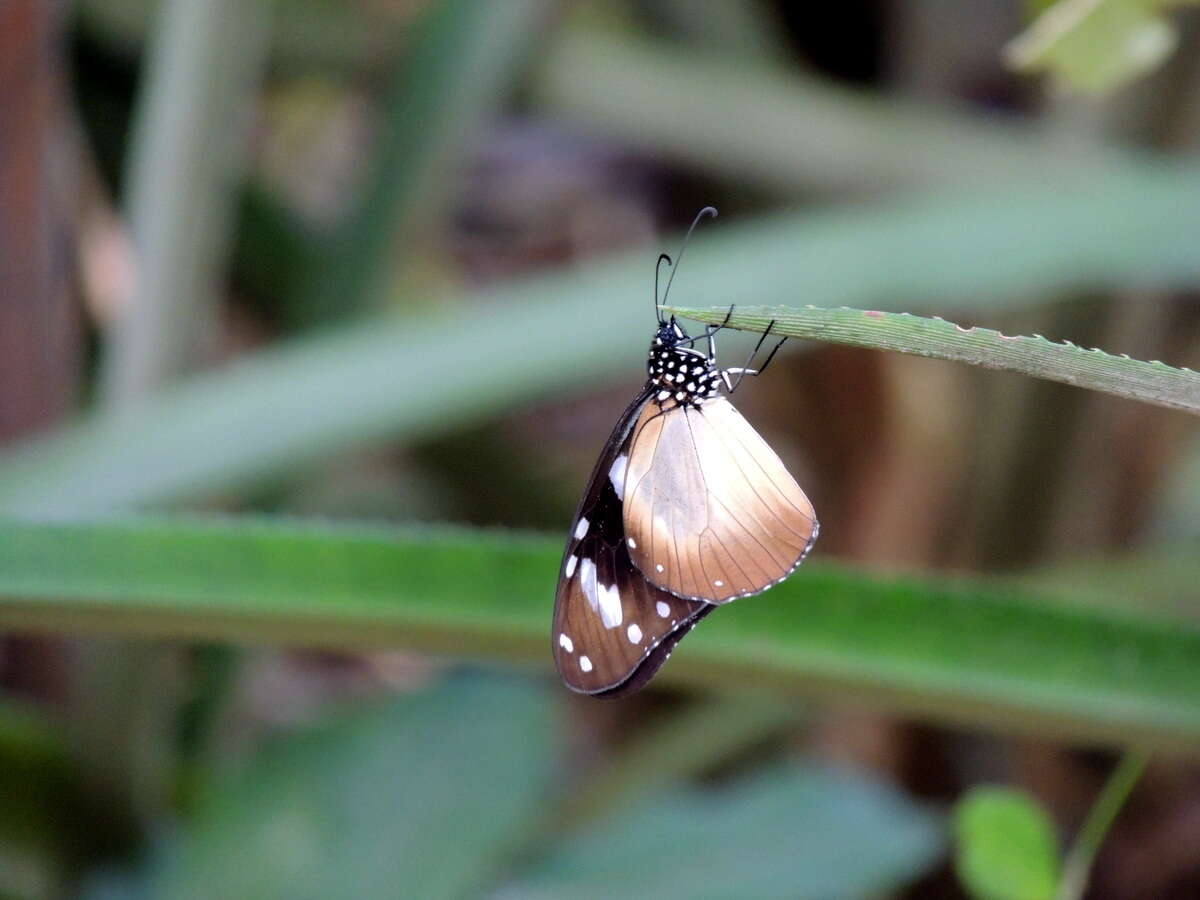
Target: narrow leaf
column 402, row 378
column 185, row 132
column 1150, row 382
column 453, row 73
column 785, row 131
column 954, row 650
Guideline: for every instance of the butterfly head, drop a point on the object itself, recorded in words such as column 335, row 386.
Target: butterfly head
column 668, row 335
column 682, row 375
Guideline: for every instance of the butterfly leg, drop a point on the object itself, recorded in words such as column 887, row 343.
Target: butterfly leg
column 711, row 332
column 743, row 371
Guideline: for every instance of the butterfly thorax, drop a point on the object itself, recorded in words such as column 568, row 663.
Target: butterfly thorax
column 682, row 375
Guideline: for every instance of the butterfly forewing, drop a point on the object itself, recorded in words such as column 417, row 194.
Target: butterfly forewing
column 612, row 628
column 709, row 510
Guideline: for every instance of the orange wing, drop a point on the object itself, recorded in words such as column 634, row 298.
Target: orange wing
column 710, row 512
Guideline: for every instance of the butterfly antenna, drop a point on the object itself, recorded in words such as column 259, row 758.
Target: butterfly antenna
column 707, row 211
column 662, row 257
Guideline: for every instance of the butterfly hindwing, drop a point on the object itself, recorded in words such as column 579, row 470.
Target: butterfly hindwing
column 710, row 512
column 612, row 628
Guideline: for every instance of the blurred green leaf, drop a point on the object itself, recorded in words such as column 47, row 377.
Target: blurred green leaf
column 956, row 650
column 310, row 35
column 42, row 801
column 426, row 796
column 690, row 742
column 1096, row 45
column 453, row 73
column 1006, row 848
column 787, row 131
column 798, row 833
column 1160, row 582
column 184, row 133
column 402, row 378
column 747, row 30
column 1150, row 382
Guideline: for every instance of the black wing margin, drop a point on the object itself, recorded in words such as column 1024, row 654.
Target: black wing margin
column 612, row 628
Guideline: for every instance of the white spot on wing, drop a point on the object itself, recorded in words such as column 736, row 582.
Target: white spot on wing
column 719, row 583
column 616, row 474
column 610, row 606
column 587, row 582
column 659, row 567
column 581, row 528
column 585, row 664
column 571, row 561
column 632, row 543
column 635, row 633
column 664, row 608
column 566, row 643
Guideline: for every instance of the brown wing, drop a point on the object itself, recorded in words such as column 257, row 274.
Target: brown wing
column 612, row 629
column 710, row 512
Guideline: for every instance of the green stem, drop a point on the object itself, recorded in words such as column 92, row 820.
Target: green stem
column 713, row 112
column 205, row 62
column 457, row 70
column 1078, row 863
column 1149, row 382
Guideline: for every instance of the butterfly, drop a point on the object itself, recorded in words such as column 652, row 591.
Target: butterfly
column 687, row 508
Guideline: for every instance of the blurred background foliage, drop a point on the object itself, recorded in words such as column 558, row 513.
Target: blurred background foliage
column 274, row 270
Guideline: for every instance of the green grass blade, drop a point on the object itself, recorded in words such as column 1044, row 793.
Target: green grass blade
column 398, row 379
column 958, row 651
column 1150, row 382
column 784, row 131
column 458, row 66
column 183, row 136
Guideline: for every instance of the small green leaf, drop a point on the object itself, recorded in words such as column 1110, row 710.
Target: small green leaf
column 1095, row 45
column 796, row 833
column 1005, row 846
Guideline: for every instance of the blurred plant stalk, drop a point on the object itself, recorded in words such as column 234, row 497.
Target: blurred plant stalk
column 788, row 132
column 188, row 154
column 453, row 74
